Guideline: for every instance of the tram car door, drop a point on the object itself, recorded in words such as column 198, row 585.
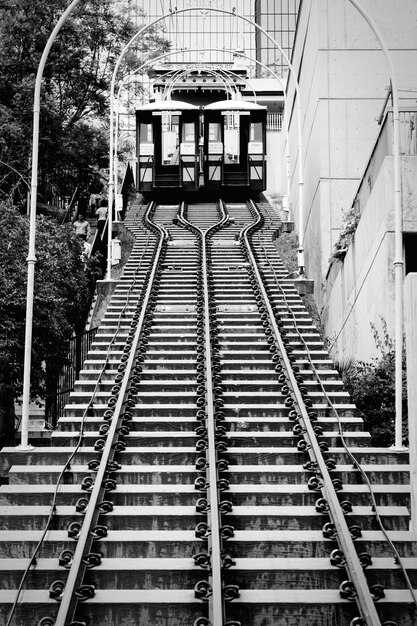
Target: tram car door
column 234, row 143
column 167, row 146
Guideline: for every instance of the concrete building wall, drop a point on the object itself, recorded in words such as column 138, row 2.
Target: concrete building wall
column 343, row 79
column 360, row 290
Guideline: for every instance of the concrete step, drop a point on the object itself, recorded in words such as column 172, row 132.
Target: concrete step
column 182, row 543
column 185, row 518
column 248, row 573
column 236, row 474
column 281, row 557
column 171, row 494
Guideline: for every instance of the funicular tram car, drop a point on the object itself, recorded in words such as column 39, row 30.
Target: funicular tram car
column 167, row 145
column 235, row 145
column 221, row 146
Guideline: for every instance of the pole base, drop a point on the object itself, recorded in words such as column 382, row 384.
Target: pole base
column 106, row 286
column 25, row 448
column 398, row 448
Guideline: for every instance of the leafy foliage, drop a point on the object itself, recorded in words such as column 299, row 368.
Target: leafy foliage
column 75, row 88
column 62, row 294
column 372, row 388
column 347, row 233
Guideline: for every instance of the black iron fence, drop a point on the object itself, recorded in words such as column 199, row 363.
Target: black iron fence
column 60, row 383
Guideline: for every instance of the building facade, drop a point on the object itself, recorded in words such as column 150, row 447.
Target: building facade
column 208, row 27
column 279, row 19
column 343, row 77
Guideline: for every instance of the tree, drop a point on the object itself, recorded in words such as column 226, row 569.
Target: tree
column 61, row 297
column 75, row 87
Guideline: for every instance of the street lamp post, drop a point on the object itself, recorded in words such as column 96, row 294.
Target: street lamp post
column 398, row 260
column 31, row 258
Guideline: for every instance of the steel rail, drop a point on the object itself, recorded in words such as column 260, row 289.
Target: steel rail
column 69, row 599
column 350, row 454
column 364, row 599
column 216, row 606
column 32, row 558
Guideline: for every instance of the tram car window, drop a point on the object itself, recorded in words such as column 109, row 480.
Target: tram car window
column 167, row 146
column 235, row 145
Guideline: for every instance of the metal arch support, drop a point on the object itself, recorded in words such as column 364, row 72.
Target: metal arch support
column 299, row 127
column 257, row 62
column 35, row 149
column 181, row 72
column 218, row 72
column 31, row 259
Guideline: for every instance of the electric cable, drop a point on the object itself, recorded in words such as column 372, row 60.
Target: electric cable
column 355, row 462
column 66, row 467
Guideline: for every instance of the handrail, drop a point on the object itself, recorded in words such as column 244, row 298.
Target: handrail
column 251, row 162
column 70, row 205
column 65, row 378
column 152, row 160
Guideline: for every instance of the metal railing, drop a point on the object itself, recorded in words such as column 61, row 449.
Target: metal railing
column 127, row 187
column 70, row 207
column 274, row 121
column 60, row 382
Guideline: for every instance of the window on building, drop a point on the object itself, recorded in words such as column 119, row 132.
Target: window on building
column 145, row 133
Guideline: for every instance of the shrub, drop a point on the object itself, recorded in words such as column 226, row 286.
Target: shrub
column 371, row 386
column 62, row 294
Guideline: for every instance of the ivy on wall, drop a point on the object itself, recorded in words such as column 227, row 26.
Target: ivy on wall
column 347, row 233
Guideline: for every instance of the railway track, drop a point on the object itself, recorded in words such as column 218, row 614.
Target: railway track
column 199, row 474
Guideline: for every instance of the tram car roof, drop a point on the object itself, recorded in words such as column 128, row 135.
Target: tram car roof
column 234, row 105
column 168, row 105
